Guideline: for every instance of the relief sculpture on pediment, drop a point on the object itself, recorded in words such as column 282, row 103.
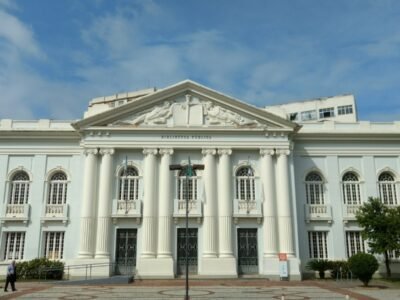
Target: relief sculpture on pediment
column 192, row 112
column 217, row 115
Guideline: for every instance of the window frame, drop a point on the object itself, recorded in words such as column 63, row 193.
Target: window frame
column 14, row 240
column 315, row 189
column 318, row 244
column 19, row 189
column 245, row 186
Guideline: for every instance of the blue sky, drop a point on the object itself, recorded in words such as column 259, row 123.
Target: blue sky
column 57, row 55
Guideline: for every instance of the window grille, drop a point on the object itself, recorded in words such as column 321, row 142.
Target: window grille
column 54, row 245
column 14, row 246
column 387, row 189
column 354, row 243
column 58, row 189
column 187, row 191
column 129, row 184
column 317, row 243
column 351, row 189
column 314, row 189
column 19, row 190
column 245, row 184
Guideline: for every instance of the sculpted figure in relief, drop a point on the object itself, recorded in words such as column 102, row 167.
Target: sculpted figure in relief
column 158, row 115
column 218, row 115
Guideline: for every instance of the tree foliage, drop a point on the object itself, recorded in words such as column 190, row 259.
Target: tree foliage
column 363, row 266
column 381, row 228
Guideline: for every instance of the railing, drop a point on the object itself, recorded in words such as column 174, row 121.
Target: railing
column 247, row 208
column 350, row 211
column 126, row 208
column 86, row 271
column 55, row 212
column 16, row 212
column 195, row 208
column 318, row 212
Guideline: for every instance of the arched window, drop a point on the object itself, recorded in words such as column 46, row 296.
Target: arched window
column 187, row 187
column 387, row 189
column 19, row 191
column 245, row 186
column 314, row 189
column 129, row 184
column 58, row 188
column 351, row 189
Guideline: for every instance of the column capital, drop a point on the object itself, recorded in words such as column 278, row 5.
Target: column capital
column 267, row 151
column 164, row 151
column 88, row 151
column 282, row 152
column 225, row 151
column 208, row 151
column 105, row 151
column 150, row 151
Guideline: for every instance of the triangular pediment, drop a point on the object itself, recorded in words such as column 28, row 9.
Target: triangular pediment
column 186, row 105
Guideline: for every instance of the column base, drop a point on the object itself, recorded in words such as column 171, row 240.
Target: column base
column 218, row 267
column 89, row 268
column 272, row 271
column 155, row 268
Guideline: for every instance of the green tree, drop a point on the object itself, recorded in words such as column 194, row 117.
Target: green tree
column 363, row 266
column 381, row 228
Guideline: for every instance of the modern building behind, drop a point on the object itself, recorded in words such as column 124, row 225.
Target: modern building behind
column 285, row 179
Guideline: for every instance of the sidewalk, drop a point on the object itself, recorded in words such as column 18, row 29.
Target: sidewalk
column 206, row 289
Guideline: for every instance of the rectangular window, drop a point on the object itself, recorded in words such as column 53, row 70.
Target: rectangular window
column 345, row 110
column 315, row 193
column 54, row 245
column 317, row 243
column 14, row 246
column 326, row 112
column 354, row 243
column 309, row 115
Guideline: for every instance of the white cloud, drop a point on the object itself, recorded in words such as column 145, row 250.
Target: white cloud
column 18, row 36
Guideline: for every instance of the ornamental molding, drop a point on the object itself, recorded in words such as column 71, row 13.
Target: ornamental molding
column 150, row 151
column 282, row 152
column 267, row 151
column 90, row 151
column 224, row 151
column 208, row 151
column 166, row 151
column 107, row 151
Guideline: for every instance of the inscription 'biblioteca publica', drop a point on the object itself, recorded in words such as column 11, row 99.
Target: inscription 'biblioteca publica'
column 186, row 137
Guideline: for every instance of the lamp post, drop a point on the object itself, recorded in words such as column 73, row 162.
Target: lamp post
column 188, row 171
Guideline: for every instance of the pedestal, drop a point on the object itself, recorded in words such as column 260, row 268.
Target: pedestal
column 218, row 267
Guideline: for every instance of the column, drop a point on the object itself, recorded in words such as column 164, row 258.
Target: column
column 88, row 203
column 149, row 232
column 269, row 208
column 210, row 205
column 284, row 209
column 104, row 209
column 165, row 206
column 225, row 203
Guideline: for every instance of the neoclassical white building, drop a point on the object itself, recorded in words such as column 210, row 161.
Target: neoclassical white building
column 285, row 179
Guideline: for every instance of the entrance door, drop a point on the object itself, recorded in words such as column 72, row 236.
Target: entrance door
column 247, row 251
column 125, row 251
column 192, row 251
